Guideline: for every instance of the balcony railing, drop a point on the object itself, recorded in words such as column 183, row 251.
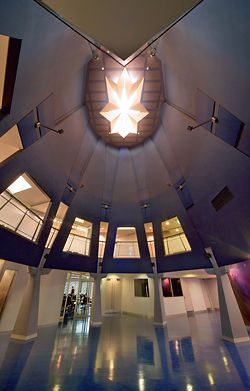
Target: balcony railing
column 126, row 249
column 176, row 244
column 77, row 244
column 17, row 217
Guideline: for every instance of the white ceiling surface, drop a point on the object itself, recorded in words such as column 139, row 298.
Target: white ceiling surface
column 121, row 26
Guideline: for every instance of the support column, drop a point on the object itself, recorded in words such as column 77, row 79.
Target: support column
column 96, row 310
column 159, row 309
column 26, row 324
column 232, row 324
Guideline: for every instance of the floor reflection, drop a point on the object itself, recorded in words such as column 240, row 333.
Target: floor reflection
column 127, row 353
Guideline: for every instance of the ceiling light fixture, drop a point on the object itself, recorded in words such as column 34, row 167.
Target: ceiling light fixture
column 20, row 184
column 124, row 109
column 152, row 50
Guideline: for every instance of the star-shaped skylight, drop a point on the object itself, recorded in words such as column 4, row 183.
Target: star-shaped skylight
column 124, row 109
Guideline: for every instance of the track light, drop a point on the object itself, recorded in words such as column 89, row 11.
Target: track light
column 214, row 120
column 95, row 55
column 152, row 51
column 39, row 125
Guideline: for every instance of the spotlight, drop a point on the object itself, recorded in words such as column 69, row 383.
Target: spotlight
column 39, row 125
column 95, row 55
column 152, row 51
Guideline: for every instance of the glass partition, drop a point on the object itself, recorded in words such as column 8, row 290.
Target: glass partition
column 150, row 239
column 79, row 238
column 174, row 238
column 77, row 297
column 23, row 207
column 102, row 238
column 126, row 244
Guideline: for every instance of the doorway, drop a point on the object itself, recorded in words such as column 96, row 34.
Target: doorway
column 77, row 297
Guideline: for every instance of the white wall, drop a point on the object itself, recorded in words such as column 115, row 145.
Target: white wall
column 51, row 295
column 187, row 295
column 196, row 294
column 120, row 297
column 174, row 305
column 137, row 305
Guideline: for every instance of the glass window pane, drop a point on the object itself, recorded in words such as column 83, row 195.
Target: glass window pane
column 28, row 227
column 80, row 237
column 10, row 216
column 175, row 245
column 141, row 287
column 176, row 286
column 174, row 239
column 126, row 244
column 166, row 287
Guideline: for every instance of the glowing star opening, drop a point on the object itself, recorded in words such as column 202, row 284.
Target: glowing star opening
column 124, row 109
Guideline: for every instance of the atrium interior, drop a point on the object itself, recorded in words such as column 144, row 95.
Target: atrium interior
column 124, row 195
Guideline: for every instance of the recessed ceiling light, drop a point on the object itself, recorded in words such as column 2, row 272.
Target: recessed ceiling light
column 20, row 184
column 102, row 68
column 167, row 222
column 147, row 68
column 177, row 229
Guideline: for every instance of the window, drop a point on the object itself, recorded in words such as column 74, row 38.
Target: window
column 141, row 287
column 23, row 207
column 174, row 239
column 150, row 239
column 126, row 244
column 102, row 238
column 57, row 222
column 171, row 287
column 79, row 238
column 10, row 143
column 9, row 49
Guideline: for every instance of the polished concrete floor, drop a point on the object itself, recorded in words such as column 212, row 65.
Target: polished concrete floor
column 126, row 353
